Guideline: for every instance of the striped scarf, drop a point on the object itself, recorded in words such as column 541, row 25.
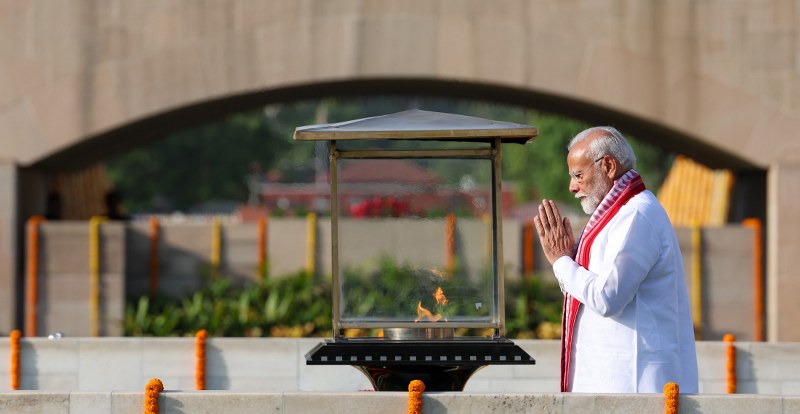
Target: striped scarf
column 623, row 190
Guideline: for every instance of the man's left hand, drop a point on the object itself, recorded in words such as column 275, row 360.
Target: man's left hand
column 555, row 233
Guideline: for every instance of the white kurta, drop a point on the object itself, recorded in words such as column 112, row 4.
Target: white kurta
column 634, row 330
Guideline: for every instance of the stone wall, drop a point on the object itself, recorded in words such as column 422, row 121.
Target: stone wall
column 278, row 365
column 185, row 264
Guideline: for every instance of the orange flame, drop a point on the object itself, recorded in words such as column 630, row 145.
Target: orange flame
column 423, row 313
column 441, row 299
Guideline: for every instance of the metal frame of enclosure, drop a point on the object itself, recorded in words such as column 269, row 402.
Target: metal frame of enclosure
column 409, row 348
column 431, row 127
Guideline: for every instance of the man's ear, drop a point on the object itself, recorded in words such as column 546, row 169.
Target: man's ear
column 611, row 167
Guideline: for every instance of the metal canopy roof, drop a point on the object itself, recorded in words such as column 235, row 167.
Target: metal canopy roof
column 419, row 125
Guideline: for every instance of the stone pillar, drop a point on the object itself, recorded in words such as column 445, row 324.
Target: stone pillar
column 783, row 248
column 8, row 245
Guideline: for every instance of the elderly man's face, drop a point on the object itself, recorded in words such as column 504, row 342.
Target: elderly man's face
column 596, row 191
column 587, row 179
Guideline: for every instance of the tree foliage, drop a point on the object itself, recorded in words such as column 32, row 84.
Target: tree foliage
column 212, row 162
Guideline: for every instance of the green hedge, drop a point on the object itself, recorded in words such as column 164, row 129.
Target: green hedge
column 299, row 305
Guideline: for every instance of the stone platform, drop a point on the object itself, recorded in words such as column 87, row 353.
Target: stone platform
column 202, row 402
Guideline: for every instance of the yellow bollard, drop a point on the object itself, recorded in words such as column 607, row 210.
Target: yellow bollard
column 311, row 256
column 94, row 273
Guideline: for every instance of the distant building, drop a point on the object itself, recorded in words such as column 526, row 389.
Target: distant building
column 373, row 188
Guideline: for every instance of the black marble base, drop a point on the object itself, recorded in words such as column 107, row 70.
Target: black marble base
column 435, row 377
column 443, row 365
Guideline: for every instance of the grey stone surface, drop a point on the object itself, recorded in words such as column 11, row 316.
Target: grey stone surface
column 35, row 402
column 98, row 359
column 278, row 365
column 199, row 402
column 9, row 268
column 782, row 283
column 87, row 402
column 791, row 405
column 362, row 402
column 735, row 404
column 613, row 403
column 206, row 402
column 492, row 403
column 53, row 369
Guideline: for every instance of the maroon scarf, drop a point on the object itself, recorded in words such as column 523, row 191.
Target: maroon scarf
column 623, row 190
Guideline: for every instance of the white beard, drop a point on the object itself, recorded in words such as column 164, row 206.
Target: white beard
column 591, row 200
column 588, row 203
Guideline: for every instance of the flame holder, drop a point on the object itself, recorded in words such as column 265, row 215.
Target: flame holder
column 440, row 161
column 443, row 365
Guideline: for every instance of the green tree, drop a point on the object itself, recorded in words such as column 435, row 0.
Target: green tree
column 205, row 163
column 539, row 168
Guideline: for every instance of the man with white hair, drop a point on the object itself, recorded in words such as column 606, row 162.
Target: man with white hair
column 626, row 325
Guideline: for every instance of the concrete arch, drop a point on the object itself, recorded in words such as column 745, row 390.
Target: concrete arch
column 709, row 78
column 135, row 134
column 129, row 136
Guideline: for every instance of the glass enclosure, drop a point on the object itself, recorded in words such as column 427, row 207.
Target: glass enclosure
column 402, row 243
column 416, row 236
column 415, row 239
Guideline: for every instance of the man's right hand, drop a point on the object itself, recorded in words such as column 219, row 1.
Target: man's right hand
column 555, row 233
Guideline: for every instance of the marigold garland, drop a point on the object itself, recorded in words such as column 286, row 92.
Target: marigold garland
column 731, row 362
column 32, row 284
column 450, row 243
column 15, row 335
column 200, row 353
column 415, row 390
column 151, row 392
column 671, row 392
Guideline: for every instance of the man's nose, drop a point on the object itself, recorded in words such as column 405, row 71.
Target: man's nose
column 573, row 185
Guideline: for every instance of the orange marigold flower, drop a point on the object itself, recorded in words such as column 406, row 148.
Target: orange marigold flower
column 415, row 390
column 731, row 363
column 200, row 354
column 15, row 335
column 151, row 391
column 671, row 392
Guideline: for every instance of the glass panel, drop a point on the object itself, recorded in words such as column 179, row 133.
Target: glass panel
column 394, row 244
